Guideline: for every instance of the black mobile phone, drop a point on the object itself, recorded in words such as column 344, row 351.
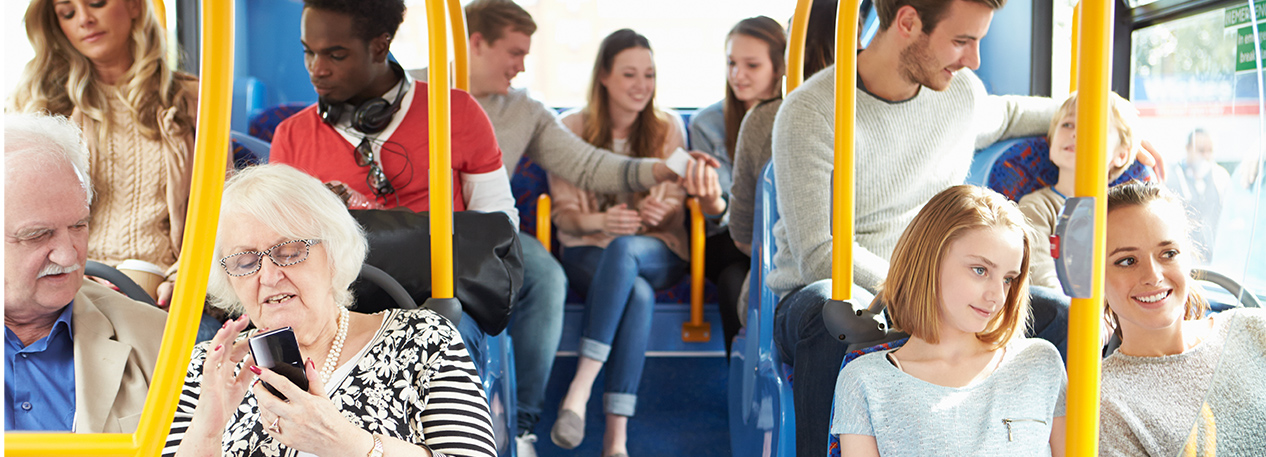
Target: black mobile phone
column 278, row 350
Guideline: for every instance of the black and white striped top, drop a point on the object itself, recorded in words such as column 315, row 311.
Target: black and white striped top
column 415, row 382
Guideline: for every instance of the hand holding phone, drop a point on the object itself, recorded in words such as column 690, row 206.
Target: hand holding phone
column 278, row 350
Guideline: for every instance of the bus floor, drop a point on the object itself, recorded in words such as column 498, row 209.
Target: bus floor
column 681, row 409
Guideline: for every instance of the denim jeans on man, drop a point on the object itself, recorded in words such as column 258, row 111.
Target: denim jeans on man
column 619, row 283
column 536, row 327
column 815, row 355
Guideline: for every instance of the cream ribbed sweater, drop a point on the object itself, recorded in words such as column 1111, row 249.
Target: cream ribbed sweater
column 141, row 188
column 906, row 153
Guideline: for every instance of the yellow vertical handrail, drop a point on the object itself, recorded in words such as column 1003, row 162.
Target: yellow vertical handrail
column 461, row 57
column 842, row 190
column 211, row 150
column 1084, row 317
column 441, row 166
column 1074, row 51
column 795, row 49
column 160, row 10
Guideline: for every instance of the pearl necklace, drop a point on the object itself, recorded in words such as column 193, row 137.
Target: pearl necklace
column 336, row 349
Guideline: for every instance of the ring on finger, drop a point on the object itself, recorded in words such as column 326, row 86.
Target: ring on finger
column 275, row 427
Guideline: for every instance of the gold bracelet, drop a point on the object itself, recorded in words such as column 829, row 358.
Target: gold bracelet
column 377, row 450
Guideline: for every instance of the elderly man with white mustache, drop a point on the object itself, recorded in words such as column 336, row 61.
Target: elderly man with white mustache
column 78, row 355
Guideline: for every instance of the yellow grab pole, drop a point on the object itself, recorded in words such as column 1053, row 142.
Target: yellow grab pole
column 1092, row 181
column 795, row 50
column 1072, row 61
column 212, row 145
column 160, row 10
column 842, row 191
column 461, row 65
column 441, row 172
column 17, row 444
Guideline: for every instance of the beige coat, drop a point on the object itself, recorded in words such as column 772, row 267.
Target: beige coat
column 116, row 346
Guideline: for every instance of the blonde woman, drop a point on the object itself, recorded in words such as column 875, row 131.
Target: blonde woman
column 101, row 62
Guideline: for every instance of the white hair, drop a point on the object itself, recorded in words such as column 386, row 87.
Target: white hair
column 48, row 137
column 296, row 206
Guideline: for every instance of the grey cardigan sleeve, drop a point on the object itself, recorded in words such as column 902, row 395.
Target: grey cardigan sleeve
column 751, row 153
column 567, row 156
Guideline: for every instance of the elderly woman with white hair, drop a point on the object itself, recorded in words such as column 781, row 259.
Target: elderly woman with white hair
column 395, row 383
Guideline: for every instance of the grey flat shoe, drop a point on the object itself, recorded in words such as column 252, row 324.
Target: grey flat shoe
column 569, row 429
column 618, row 455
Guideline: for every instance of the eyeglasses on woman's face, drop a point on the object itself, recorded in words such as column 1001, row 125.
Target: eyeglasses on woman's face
column 283, row 255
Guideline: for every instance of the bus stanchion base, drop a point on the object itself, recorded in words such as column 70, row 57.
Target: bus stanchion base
column 696, row 333
column 447, row 307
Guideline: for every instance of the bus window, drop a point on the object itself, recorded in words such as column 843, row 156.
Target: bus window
column 1195, row 81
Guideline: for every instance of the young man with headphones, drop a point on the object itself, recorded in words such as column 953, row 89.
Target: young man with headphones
column 369, row 129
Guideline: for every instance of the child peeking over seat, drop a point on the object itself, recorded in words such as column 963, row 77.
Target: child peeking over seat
column 1042, row 207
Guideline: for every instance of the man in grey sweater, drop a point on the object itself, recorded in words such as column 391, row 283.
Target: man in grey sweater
column 500, row 37
column 921, row 113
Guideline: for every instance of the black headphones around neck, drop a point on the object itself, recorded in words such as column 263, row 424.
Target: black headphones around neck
column 371, row 116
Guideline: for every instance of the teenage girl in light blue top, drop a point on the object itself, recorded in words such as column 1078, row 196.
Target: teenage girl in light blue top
column 967, row 382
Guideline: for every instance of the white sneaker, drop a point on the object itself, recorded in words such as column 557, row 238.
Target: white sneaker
column 525, row 445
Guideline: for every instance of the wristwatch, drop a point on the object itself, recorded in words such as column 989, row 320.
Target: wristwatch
column 377, row 450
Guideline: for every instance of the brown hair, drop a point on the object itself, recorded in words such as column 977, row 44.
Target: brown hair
column 767, row 30
column 491, row 17
column 1123, row 117
column 912, row 290
column 60, row 79
column 929, row 11
column 646, row 136
column 819, row 38
column 1137, row 193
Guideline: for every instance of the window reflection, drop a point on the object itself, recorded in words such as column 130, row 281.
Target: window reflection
column 1196, row 81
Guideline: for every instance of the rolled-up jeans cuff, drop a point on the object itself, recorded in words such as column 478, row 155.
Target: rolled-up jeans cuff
column 619, row 404
column 594, row 349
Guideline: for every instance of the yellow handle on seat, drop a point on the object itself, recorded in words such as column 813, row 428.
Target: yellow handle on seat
column 544, row 224
column 696, row 330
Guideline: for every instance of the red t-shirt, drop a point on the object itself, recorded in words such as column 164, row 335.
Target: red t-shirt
column 305, row 142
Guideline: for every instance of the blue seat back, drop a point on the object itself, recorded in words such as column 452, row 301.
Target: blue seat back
column 247, row 150
column 760, row 395
column 832, row 440
column 262, row 124
column 1016, row 167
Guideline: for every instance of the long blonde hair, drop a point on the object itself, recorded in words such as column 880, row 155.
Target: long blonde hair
column 60, row 79
column 913, row 289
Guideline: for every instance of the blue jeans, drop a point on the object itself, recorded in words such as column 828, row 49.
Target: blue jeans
column 536, row 327
column 815, row 356
column 619, row 283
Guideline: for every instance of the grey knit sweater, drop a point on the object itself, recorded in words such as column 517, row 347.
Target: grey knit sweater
column 751, row 153
column 1210, row 399
column 524, row 125
column 906, row 152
